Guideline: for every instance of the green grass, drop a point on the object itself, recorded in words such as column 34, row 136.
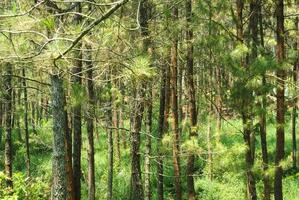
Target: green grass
column 228, row 181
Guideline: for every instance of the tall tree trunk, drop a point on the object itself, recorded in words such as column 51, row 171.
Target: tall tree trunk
column 246, row 116
column 295, row 106
column 137, row 190
column 27, row 146
column 262, row 119
column 174, row 110
column 138, row 108
column 59, row 186
column 68, row 157
column 8, row 122
column 164, row 100
column 192, row 99
column 280, row 120
column 90, row 125
column 77, row 121
column 148, row 145
column 110, row 139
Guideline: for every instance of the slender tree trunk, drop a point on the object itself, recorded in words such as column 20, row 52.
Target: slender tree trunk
column 280, row 55
column 295, row 106
column 137, row 189
column 115, row 122
column 77, row 121
column 246, row 116
column 59, row 186
column 192, row 99
column 161, row 130
column 174, row 111
column 68, row 157
column 262, row 120
column 90, row 126
column 138, row 108
column 148, row 146
column 8, row 122
column 110, row 140
column 27, row 146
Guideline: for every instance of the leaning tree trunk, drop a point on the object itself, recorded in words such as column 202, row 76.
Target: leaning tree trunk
column 59, row 186
column 280, row 120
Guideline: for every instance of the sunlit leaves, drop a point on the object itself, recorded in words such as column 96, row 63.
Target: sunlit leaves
column 140, row 69
column 240, row 51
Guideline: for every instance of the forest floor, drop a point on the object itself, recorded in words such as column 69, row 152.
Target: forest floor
column 228, row 179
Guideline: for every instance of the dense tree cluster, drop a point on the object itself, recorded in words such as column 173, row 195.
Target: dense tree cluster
column 149, row 99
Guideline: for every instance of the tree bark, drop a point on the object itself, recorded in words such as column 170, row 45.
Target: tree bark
column 192, row 99
column 90, row 125
column 295, row 106
column 27, row 146
column 263, row 119
column 8, row 123
column 68, row 157
column 248, row 135
column 174, row 111
column 280, row 119
column 59, row 186
column 164, row 100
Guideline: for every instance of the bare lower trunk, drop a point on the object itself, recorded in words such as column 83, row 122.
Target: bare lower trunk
column 174, row 113
column 27, row 147
column 59, row 186
column 90, row 126
column 280, row 120
column 8, row 123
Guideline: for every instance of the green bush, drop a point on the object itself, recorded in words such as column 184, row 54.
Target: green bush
column 24, row 188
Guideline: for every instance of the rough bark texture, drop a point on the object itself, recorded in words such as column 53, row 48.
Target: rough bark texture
column 280, row 119
column 8, row 122
column 59, row 186
column 191, row 98
column 90, row 126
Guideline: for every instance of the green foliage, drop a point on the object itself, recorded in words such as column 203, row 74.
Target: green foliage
column 141, row 69
column 24, row 188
